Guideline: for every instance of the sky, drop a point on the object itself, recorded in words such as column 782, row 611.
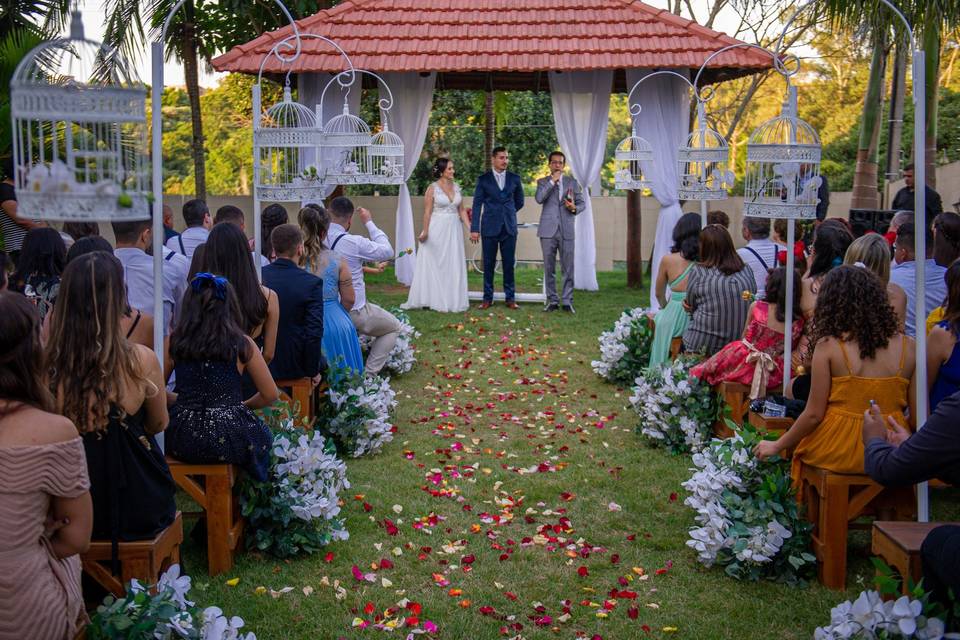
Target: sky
column 93, row 20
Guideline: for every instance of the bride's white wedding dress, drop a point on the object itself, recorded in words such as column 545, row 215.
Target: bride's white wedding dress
column 440, row 275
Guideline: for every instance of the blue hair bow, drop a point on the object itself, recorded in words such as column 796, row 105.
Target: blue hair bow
column 204, row 279
column 837, row 262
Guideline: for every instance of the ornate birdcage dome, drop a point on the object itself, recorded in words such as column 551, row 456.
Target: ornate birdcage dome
column 386, row 157
column 783, row 167
column 346, row 140
column 631, row 153
column 79, row 132
column 285, row 139
column 703, row 164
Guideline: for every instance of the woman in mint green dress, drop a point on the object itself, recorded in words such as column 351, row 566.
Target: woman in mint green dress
column 671, row 321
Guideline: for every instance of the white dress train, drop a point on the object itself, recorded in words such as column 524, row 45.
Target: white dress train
column 440, row 274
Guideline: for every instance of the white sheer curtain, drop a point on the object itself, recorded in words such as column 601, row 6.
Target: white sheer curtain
column 581, row 109
column 310, row 90
column 664, row 121
column 413, row 100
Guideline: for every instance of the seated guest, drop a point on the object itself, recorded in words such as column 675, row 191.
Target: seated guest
column 272, row 217
column 715, row 289
column 760, row 252
column 368, row 318
column 234, row 215
column 136, row 325
column 210, row 422
column 44, row 490
column 225, row 253
column 946, row 238
column 113, row 391
column 197, row 217
column 718, row 217
column 943, row 352
column 41, row 262
column 672, row 319
column 756, row 360
column 897, row 458
column 132, row 239
column 341, row 345
column 168, row 230
column 299, row 350
column 871, row 251
column 904, row 274
column 861, row 356
column 80, row 230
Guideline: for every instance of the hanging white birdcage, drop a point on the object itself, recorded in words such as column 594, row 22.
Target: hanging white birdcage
column 783, row 167
column 285, row 139
column 703, row 163
column 628, row 159
column 79, row 132
column 345, row 142
column 386, row 157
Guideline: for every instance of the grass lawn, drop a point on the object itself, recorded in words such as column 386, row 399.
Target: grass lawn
column 504, row 406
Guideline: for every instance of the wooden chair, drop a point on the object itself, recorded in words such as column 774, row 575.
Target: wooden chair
column 898, row 543
column 737, row 397
column 834, row 501
column 211, row 485
column 300, row 398
column 675, row 346
column 144, row 560
column 769, row 424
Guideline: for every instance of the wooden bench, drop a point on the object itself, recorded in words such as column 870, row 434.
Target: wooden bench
column 211, row 485
column 675, row 346
column 834, row 501
column 144, row 560
column 300, row 399
column 898, row 543
column 737, row 397
column 769, row 424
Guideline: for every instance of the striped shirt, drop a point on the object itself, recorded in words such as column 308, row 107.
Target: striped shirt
column 719, row 310
column 12, row 232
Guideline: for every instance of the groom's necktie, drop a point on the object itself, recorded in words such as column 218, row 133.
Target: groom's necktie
column 499, row 177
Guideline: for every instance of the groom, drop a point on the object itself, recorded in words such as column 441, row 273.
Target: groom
column 496, row 200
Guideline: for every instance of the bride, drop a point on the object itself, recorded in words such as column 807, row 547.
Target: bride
column 440, row 276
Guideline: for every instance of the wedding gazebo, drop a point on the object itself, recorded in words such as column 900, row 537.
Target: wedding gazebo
column 579, row 50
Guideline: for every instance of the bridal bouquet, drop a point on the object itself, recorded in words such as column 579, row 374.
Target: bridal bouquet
column 165, row 615
column 625, row 349
column 402, row 358
column 747, row 513
column 297, row 508
column 676, row 410
column 357, row 415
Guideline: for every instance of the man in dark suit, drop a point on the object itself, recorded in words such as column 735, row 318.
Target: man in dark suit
column 496, row 200
column 300, row 295
column 904, row 200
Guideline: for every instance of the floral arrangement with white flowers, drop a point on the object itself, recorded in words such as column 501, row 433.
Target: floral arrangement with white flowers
column 296, row 510
column 357, row 415
column 676, row 410
column 402, row 357
column 625, row 349
column 162, row 616
column 869, row 617
column 747, row 513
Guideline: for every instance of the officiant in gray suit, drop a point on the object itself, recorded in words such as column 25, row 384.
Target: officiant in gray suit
column 562, row 199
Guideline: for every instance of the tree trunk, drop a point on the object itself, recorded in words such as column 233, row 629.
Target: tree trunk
column 865, row 195
column 192, row 78
column 895, row 126
column 634, row 237
column 489, row 128
column 931, row 48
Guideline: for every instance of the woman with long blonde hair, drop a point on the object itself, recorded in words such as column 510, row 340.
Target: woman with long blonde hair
column 113, row 391
column 873, row 252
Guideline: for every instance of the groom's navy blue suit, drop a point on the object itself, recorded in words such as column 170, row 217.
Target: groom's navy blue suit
column 495, row 218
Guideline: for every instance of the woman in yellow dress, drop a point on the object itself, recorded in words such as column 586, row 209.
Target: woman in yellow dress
column 859, row 341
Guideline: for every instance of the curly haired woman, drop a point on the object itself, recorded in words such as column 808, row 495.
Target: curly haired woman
column 869, row 360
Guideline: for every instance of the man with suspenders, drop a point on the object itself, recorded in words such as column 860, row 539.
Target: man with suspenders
column 760, row 254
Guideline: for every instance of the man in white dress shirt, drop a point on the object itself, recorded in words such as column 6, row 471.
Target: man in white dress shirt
column 196, row 215
column 368, row 318
column 133, row 238
column 760, row 254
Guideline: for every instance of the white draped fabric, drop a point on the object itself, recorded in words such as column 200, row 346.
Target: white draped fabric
column 413, row 100
column 310, row 90
column 664, row 121
column 581, row 108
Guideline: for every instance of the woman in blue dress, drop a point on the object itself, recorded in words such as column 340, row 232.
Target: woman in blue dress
column 341, row 345
column 943, row 347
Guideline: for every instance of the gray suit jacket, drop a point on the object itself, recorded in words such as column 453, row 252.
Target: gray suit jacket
column 554, row 215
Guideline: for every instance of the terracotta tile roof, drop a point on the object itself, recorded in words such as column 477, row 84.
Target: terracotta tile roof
column 512, row 36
